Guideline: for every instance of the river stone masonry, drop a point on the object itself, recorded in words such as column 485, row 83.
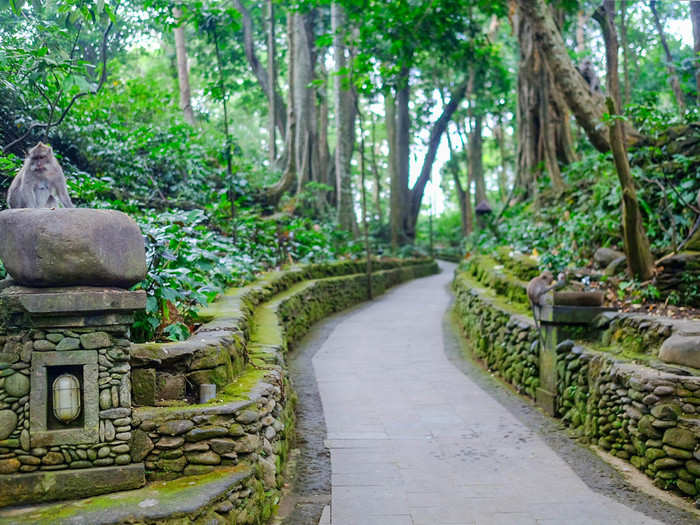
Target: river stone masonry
column 647, row 415
column 197, row 440
column 221, row 461
column 46, row 333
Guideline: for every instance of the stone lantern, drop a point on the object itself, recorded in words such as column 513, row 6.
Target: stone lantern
column 483, row 211
column 65, row 392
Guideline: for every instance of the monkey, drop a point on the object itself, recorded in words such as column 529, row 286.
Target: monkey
column 539, row 286
column 40, row 182
column 589, row 74
column 536, row 290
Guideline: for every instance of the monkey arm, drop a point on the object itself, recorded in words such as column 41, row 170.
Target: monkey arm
column 557, row 285
column 63, row 196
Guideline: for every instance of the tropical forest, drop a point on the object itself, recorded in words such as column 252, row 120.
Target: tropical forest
column 282, row 160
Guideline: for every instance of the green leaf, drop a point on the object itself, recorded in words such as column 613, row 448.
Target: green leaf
column 17, row 5
column 110, row 13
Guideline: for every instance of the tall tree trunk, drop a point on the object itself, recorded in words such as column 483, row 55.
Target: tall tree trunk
column 365, row 221
column 403, row 151
column 587, row 107
column 527, row 114
column 273, row 194
column 500, row 134
column 183, row 72
column 436, row 132
column 394, row 183
column 695, row 17
column 462, row 197
column 476, row 158
column 672, row 76
column 377, row 175
column 344, row 120
column 468, row 207
column 272, row 81
column 639, row 257
column 323, row 149
column 543, row 117
column 259, row 71
column 548, row 139
column 625, row 49
column 307, row 159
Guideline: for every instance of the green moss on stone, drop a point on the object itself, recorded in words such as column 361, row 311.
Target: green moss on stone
column 239, row 389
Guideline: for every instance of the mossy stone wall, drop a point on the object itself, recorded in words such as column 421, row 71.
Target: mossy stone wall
column 251, row 422
column 646, row 416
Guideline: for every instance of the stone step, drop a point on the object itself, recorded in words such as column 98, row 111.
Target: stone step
column 161, row 500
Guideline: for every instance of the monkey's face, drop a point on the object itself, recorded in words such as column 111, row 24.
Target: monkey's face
column 40, row 157
column 547, row 277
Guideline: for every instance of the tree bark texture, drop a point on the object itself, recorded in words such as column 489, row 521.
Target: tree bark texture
column 403, row 151
column 258, row 70
column 286, row 183
column 587, row 107
column 543, row 117
column 436, row 132
column 695, row 17
column 672, row 75
column 325, row 172
column 500, row 135
column 377, row 173
column 476, row 158
column 394, row 185
column 462, row 197
column 183, row 72
column 468, row 216
column 307, row 152
column 272, row 82
column 344, row 119
column 639, row 258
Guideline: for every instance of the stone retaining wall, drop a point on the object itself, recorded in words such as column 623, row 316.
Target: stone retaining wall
column 504, row 340
column 249, row 415
column 174, row 371
column 251, row 423
column 645, row 415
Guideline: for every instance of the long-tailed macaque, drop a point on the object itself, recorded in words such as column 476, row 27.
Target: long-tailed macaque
column 40, row 182
column 538, row 287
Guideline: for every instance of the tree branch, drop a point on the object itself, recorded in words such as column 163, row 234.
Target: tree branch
column 258, row 70
column 48, row 125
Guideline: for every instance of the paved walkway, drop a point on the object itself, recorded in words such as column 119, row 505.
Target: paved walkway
column 415, row 442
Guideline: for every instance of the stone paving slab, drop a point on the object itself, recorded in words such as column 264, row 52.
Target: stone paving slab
column 414, row 441
column 156, row 501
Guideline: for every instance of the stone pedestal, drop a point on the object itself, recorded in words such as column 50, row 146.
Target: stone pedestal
column 47, row 333
column 558, row 323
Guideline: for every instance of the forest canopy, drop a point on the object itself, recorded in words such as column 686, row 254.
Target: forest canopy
column 243, row 135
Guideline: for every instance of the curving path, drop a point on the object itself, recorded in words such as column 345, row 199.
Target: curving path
column 415, row 441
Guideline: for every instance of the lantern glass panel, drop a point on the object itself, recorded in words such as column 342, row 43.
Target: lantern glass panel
column 66, row 398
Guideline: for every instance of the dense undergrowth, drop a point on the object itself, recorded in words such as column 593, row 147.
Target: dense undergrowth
column 203, row 230
column 563, row 231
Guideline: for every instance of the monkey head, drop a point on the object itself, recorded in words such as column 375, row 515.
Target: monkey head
column 40, row 156
column 547, row 277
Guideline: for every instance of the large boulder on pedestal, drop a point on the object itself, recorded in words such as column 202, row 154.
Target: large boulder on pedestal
column 75, row 246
